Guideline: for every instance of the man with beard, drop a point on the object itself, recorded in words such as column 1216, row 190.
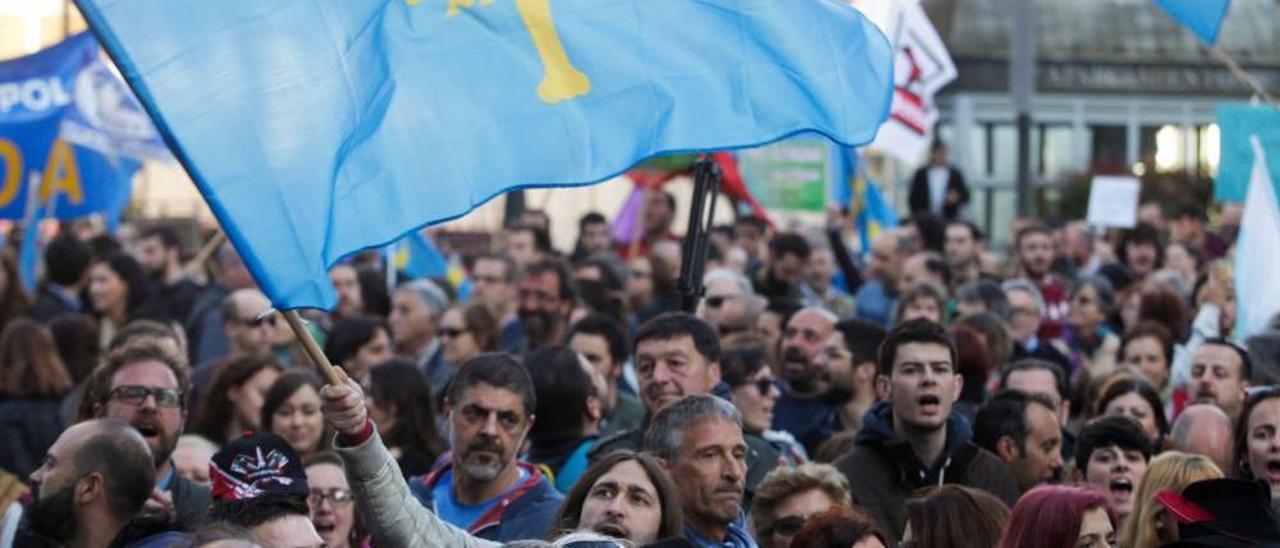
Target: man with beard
column 1220, row 373
column 780, row 280
column 1022, row 429
column 147, row 386
column 964, row 251
column 94, row 480
column 848, row 358
column 484, row 488
column 546, row 299
column 912, row 439
column 676, row 355
column 1036, row 255
column 699, row 440
column 159, row 252
column 802, row 410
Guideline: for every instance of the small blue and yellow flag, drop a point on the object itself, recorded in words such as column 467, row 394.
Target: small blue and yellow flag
column 316, row 129
column 871, row 212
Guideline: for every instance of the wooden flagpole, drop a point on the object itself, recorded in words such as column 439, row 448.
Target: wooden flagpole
column 1240, row 74
column 312, row 348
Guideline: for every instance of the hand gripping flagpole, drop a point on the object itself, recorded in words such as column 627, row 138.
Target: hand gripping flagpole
column 706, row 179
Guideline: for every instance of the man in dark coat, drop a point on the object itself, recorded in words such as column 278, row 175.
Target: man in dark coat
column 912, row 439
column 939, row 187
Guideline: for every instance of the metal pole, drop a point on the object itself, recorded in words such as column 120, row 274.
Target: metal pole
column 706, row 179
column 1022, row 76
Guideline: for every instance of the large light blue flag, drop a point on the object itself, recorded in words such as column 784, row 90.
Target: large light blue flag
column 315, row 129
column 1202, row 17
column 1239, row 124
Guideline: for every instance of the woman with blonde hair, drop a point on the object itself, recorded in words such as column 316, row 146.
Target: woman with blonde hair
column 1149, row 525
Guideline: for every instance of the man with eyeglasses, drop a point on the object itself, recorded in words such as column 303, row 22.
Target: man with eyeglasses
column 493, row 283
column 803, row 410
column 146, row 385
column 485, row 489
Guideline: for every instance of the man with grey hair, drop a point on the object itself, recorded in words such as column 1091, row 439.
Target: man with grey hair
column 731, row 304
column 1204, row 429
column 699, row 440
column 1026, row 311
column 415, row 314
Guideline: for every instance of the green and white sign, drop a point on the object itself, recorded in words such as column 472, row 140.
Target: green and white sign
column 790, row 175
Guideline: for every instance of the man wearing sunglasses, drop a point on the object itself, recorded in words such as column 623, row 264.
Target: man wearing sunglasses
column 146, row 385
column 730, row 305
column 246, row 329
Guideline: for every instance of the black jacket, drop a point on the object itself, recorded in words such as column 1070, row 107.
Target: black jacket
column 918, row 198
column 883, row 469
column 27, row 429
column 191, row 503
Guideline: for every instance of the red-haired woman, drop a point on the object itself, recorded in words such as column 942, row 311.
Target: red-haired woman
column 1055, row 516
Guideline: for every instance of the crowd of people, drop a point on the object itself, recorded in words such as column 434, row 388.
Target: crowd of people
column 1076, row 389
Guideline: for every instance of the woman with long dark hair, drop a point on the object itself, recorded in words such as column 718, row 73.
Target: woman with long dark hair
column 232, row 404
column 292, row 410
column 1257, row 435
column 13, row 300
column 401, row 407
column 120, row 291
column 32, row 384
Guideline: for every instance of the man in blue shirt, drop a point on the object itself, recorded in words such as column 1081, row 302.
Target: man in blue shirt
column 878, row 296
column 699, row 440
column 484, row 488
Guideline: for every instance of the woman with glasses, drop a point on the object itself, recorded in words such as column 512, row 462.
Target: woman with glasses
column 1087, row 339
column 333, row 508
column 754, row 390
column 467, row 331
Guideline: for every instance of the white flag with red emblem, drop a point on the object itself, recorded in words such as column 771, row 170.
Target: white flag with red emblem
column 921, row 67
